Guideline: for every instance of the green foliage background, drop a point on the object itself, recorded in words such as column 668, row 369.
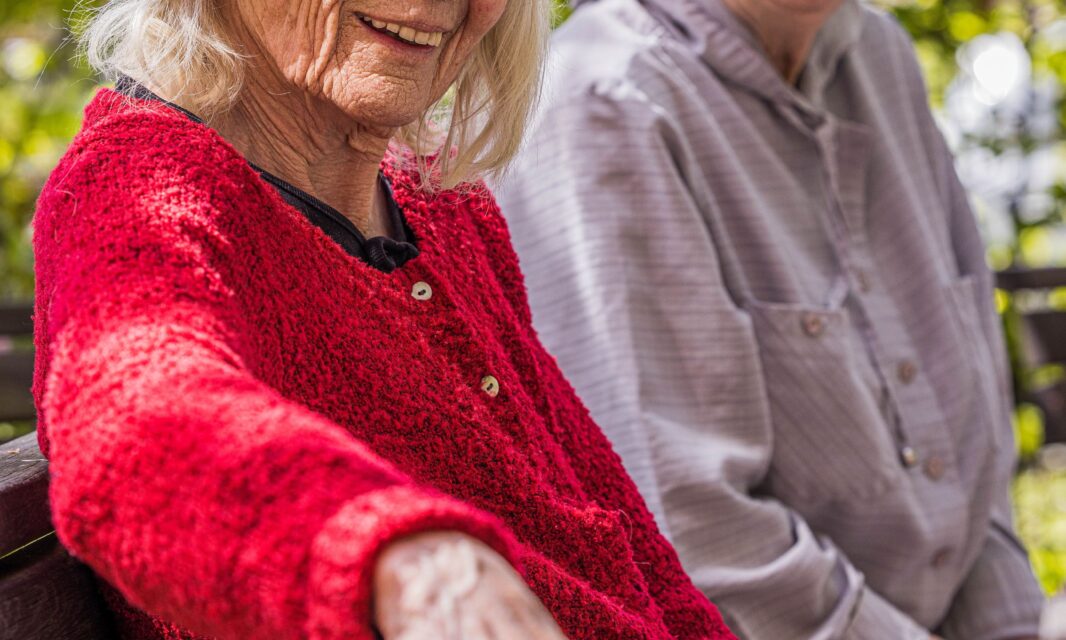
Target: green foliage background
column 43, row 88
column 42, row 91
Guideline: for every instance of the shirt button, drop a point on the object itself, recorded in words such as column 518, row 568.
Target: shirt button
column 422, row 291
column 934, row 467
column 941, row 558
column 907, row 372
column 813, row 325
column 908, row 456
column 491, row 386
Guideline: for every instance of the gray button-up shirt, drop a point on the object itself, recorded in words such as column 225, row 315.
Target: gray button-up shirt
column 775, row 302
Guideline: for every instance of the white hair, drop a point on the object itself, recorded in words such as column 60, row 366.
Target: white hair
column 182, row 49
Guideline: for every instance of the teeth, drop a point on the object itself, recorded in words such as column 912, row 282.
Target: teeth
column 407, row 33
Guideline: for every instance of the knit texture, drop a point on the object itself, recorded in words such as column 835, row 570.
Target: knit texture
column 239, row 415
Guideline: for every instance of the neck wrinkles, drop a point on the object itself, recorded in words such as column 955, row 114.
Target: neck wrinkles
column 309, row 143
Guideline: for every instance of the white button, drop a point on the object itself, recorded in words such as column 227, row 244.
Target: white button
column 422, row 291
column 491, row 386
column 909, row 456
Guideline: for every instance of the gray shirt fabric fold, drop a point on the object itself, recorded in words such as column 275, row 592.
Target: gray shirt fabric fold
column 776, row 304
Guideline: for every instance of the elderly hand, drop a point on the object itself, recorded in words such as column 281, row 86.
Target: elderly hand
column 450, row 586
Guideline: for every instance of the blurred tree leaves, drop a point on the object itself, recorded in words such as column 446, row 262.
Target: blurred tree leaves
column 940, row 27
column 1040, row 516
column 562, row 11
column 43, row 89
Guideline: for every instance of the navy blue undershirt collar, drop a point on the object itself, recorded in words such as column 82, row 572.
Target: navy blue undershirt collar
column 382, row 252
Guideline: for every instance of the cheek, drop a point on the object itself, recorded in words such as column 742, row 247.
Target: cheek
column 300, row 36
column 484, row 14
column 373, row 85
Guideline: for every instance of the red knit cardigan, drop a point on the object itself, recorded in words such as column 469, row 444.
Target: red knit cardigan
column 239, row 415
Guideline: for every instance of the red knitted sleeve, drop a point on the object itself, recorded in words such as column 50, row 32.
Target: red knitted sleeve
column 204, row 496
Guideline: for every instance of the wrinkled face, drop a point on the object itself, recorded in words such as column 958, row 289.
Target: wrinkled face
column 381, row 62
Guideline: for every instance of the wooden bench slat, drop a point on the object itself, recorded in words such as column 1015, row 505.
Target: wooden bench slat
column 1045, row 337
column 16, row 319
column 1052, row 401
column 51, row 597
column 16, row 379
column 44, row 593
column 23, row 493
column 1018, row 279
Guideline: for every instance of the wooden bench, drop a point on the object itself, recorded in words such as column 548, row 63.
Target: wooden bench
column 1041, row 331
column 44, row 593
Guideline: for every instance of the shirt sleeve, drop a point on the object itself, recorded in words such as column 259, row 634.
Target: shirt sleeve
column 1000, row 598
column 627, row 292
column 197, row 490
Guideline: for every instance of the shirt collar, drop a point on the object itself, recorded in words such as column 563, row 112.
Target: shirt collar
column 729, row 47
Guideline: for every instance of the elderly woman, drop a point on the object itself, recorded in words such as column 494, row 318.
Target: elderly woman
column 287, row 379
column 746, row 244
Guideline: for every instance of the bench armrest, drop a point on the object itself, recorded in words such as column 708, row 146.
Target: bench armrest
column 23, row 494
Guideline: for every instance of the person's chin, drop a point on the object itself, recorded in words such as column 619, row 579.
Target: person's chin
column 374, row 114
column 804, row 7
column 387, row 118
column 374, row 106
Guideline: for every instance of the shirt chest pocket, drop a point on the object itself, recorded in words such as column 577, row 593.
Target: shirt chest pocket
column 831, row 437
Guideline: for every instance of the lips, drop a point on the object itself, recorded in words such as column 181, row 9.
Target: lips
column 405, row 34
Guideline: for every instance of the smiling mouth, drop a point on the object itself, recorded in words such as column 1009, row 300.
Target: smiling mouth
column 404, row 34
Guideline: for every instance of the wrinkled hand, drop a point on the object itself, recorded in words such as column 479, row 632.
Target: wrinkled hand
column 450, row 586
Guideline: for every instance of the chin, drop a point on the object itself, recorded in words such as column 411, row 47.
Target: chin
column 377, row 110
column 381, row 101
column 386, row 116
column 808, row 6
